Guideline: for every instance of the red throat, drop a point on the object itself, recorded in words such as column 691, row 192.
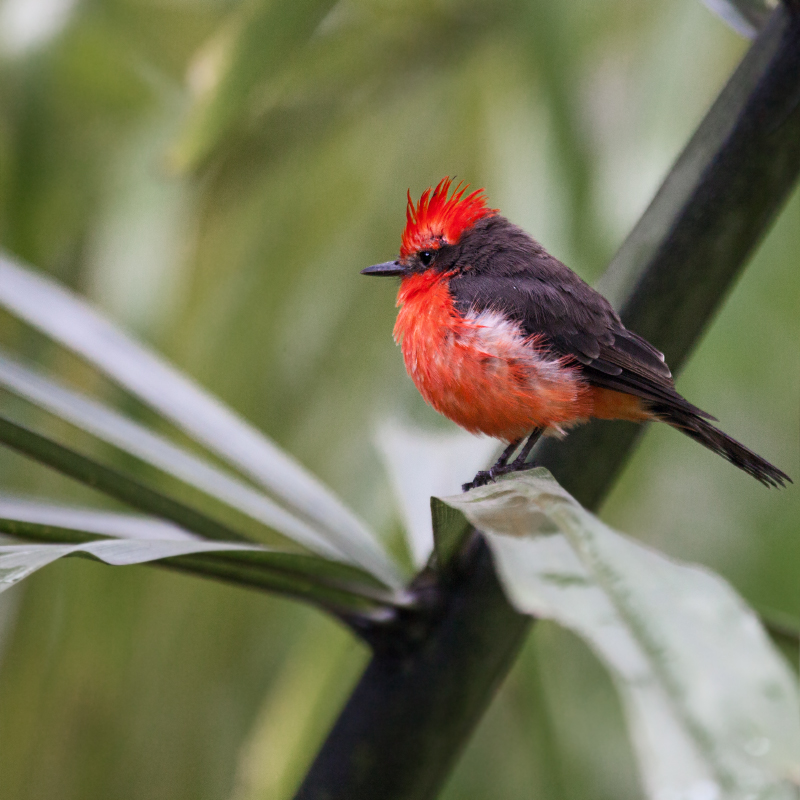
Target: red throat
column 437, row 219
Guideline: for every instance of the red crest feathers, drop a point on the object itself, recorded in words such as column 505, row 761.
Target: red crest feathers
column 437, row 218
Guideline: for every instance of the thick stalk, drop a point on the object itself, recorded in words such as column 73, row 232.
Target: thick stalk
column 412, row 712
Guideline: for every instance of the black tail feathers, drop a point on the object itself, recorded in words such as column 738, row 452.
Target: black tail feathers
column 714, row 439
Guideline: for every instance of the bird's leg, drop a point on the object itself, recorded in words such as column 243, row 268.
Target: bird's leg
column 506, row 454
column 502, row 467
column 486, row 475
column 518, row 464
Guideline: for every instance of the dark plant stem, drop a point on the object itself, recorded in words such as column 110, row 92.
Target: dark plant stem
column 411, row 714
column 406, row 720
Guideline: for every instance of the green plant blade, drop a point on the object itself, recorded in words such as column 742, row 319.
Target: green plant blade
column 712, row 708
column 17, row 512
column 69, row 320
column 140, row 496
column 112, row 482
column 53, row 522
column 70, row 531
column 19, row 561
column 112, row 427
column 420, row 464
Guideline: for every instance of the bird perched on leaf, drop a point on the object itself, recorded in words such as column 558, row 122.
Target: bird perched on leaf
column 505, row 340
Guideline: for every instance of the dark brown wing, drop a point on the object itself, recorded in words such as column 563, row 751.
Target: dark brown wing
column 572, row 319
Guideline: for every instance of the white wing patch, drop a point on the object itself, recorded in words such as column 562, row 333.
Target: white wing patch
column 504, row 339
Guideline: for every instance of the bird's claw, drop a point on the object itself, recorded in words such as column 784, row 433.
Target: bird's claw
column 490, row 475
column 481, row 479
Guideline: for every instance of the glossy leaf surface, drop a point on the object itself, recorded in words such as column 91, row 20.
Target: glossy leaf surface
column 712, row 708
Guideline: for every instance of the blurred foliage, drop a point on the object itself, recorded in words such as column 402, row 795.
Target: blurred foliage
column 219, row 197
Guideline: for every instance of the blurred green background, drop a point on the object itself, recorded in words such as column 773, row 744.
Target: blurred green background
column 214, row 174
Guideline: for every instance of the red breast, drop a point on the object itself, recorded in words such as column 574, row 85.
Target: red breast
column 480, row 370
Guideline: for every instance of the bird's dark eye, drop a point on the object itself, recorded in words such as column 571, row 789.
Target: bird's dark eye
column 426, row 256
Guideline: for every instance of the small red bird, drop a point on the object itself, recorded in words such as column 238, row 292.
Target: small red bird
column 505, row 340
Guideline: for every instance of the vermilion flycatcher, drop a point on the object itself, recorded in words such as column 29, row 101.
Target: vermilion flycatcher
column 505, row 340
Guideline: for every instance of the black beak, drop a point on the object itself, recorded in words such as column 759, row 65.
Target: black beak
column 387, row 269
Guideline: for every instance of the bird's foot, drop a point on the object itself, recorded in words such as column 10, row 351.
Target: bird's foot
column 481, row 479
column 490, row 475
column 502, row 467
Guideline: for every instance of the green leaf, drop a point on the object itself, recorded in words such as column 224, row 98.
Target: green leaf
column 712, row 708
column 69, row 320
column 63, row 521
column 113, row 483
column 133, row 438
column 451, row 529
column 139, row 539
column 19, row 561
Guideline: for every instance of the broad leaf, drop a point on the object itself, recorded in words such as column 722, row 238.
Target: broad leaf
column 713, row 710
column 73, row 323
